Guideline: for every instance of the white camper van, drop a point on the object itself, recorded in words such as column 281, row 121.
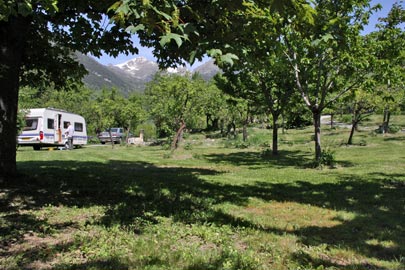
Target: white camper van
column 47, row 126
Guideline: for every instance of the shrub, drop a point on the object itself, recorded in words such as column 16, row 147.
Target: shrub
column 391, row 129
column 93, row 140
column 149, row 131
column 363, row 143
column 242, row 144
column 327, row 159
column 394, row 129
column 188, row 146
column 346, row 118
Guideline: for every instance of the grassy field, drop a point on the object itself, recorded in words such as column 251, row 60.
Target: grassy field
column 209, row 205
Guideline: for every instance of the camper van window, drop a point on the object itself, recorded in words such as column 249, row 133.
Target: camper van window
column 78, row 126
column 65, row 124
column 31, row 124
column 50, row 123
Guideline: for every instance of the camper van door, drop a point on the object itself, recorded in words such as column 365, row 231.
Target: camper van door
column 57, row 128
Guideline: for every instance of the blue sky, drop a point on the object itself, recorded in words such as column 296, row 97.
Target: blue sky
column 147, row 52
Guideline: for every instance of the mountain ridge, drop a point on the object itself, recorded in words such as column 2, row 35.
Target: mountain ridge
column 132, row 75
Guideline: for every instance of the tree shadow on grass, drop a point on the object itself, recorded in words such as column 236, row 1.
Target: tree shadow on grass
column 106, row 264
column 377, row 228
column 265, row 159
column 295, row 159
column 138, row 191
column 132, row 194
column 395, row 139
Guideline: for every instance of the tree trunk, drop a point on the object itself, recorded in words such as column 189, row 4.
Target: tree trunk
column 282, row 124
column 178, row 135
column 235, row 133
column 317, row 132
column 354, row 126
column 274, row 151
column 244, row 132
column 386, row 121
column 215, row 124
column 231, row 130
column 387, row 125
column 208, row 119
column 12, row 42
column 127, row 134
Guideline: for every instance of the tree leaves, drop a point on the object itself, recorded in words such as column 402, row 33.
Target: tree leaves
column 25, row 8
column 222, row 59
column 165, row 39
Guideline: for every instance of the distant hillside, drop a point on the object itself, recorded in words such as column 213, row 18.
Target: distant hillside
column 207, row 70
column 100, row 76
column 131, row 76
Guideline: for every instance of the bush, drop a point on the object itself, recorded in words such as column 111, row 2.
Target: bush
column 299, row 119
column 394, row 129
column 242, row 144
column 149, row 131
column 93, row 140
column 391, row 129
column 259, row 138
column 346, row 118
column 188, row 146
column 327, row 159
column 236, row 143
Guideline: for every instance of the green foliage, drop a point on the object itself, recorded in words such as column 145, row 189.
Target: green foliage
column 394, row 129
column 188, row 146
column 328, row 158
column 149, row 129
column 171, row 99
column 345, row 118
column 20, row 120
column 25, row 8
column 298, row 117
column 111, row 109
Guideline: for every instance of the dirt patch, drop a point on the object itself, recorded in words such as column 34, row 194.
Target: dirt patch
column 39, row 252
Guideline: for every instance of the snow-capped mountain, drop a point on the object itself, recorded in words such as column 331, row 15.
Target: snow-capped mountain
column 140, row 68
column 144, row 69
column 132, row 75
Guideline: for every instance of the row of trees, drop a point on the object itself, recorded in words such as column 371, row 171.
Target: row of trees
column 278, row 47
column 170, row 102
column 320, row 56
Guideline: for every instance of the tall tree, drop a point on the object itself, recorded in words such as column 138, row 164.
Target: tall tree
column 388, row 46
column 266, row 82
column 37, row 39
column 361, row 104
column 326, row 56
column 171, row 102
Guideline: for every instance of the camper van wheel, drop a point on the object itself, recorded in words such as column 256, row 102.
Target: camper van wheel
column 36, row 147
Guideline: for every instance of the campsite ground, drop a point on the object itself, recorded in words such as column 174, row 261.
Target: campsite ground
column 213, row 204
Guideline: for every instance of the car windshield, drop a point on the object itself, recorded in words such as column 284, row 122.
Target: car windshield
column 114, row 130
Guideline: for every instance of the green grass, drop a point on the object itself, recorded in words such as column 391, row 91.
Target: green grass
column 209, row 206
